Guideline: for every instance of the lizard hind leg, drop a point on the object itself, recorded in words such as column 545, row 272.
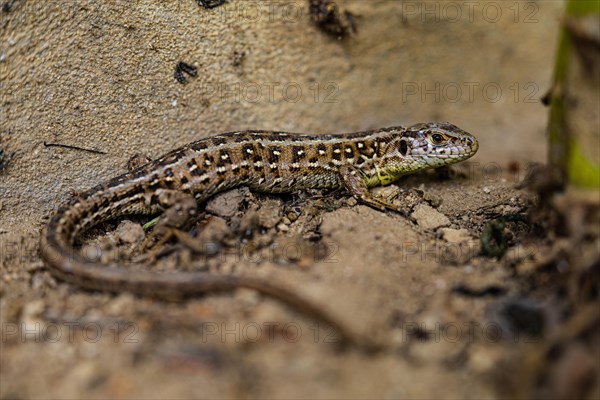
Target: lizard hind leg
column 179, row 208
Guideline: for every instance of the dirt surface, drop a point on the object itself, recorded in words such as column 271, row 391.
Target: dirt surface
column 458, row 316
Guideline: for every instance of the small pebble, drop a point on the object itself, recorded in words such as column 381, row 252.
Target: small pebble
column 429, row 218
column 91, row 252
column 129, row 232
column 351, row 202
column 33, row 309
column 292, row 216
column 434, row 200
column 125, row 302
column 226, row 204
column 268, row 214
column 455, row 235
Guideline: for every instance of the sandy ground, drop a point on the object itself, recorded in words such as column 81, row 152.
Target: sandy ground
column 455, row 322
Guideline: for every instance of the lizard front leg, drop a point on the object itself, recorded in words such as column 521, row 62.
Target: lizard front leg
column 355, row 182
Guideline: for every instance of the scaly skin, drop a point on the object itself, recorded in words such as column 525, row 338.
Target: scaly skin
column 271, row 162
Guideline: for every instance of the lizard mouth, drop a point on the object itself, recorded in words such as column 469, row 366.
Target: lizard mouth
column 459, row 151
column 473, row 144
column 466, row 148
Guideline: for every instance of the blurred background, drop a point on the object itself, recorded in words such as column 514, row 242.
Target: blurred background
column 107, row 76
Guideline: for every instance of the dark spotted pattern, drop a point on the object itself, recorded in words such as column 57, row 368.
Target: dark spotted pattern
column 199, row 146
column 274, row 154
column 298, row 154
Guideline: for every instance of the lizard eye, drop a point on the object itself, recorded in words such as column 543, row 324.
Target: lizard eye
column 403, row 147
column 437, row 138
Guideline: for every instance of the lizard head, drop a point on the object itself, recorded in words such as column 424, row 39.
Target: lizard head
column 423, row 146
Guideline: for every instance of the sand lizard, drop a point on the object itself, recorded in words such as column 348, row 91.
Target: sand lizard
column 272, row 162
